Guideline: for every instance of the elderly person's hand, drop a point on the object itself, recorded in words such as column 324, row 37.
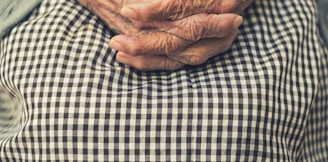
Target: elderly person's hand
column 166, row 44
column 179, row 9
column 169, row 10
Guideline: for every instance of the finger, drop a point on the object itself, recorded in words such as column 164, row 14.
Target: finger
column 153, row 43
column 117, row 23
column 201, row 26
column 149, row 63
column 204, row 49
column 177, row 9
column 107, row 11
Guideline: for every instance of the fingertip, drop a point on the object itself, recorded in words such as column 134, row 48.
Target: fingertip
column 143, row 12
column 238, row 21
column 114, row 44
column 122, row 57
column 139, row 12
column 119, row 57
column 119, row 42
column 129, row 12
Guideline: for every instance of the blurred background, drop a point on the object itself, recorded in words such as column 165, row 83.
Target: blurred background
column 323, row 19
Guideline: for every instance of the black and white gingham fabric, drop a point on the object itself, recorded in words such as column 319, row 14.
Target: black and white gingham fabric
column 266, row 99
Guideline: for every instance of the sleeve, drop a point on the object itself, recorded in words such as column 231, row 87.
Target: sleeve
column 13, row 11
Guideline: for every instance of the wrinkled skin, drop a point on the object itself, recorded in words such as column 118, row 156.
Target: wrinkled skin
column 155, row 41
column 179, row 9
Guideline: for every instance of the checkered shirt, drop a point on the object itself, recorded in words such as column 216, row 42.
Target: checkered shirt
column 266, row 99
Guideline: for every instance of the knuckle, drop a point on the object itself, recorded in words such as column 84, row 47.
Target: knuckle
column 135, row 50
column 171, row 44
column 196, row 27
column 195, row 31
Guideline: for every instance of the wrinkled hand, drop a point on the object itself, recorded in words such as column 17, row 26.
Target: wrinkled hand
column 165, row 44
column 179, row 9
column 194, row 54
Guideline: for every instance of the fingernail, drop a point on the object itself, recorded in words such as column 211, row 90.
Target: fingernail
column 115, row 44
column 128, row 12
column 237, row 22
